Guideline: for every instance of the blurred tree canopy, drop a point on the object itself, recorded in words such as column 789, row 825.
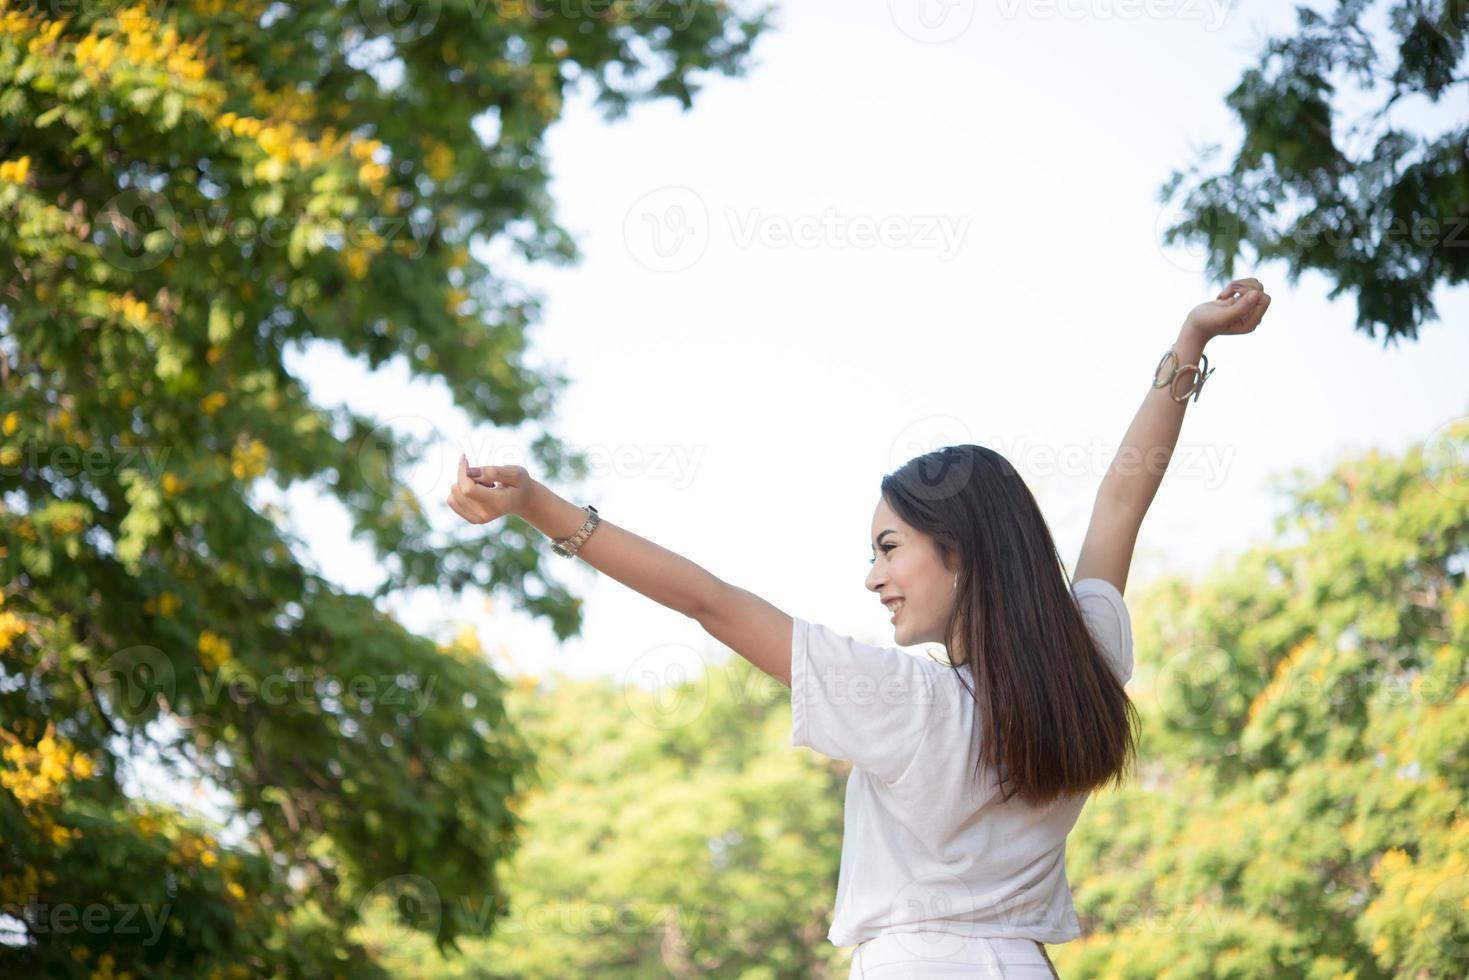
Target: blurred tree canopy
column 188, row 193
column 1378, row 209
column 1306, row 716
column 671, row 833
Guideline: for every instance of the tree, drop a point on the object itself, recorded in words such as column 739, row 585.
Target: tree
column 1304, row 711
column 672, row 833
column 189, row 192
column 1380, row 210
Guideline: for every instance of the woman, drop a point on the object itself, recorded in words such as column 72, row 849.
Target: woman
column 966, row 776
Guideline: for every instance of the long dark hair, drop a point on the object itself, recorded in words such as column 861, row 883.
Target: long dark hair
column 1054, row 719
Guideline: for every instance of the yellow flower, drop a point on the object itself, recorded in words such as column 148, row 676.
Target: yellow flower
column 236, row 889
column 248, row 460
column 133, row 310
column 213, row 402
column 214, row 650
column 356, row 261
column 105, row 963
column 439, row 161
column 11, row 626
column 35, row 774
column 15, row 171
column 172, row 484
column 12, row 420
column 209, row 859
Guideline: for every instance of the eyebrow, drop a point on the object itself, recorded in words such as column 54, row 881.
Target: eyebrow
column 881, row 533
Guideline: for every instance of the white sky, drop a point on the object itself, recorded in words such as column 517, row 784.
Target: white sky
column 754, row 389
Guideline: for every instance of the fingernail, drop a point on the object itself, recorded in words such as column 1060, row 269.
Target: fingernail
column 474, row 471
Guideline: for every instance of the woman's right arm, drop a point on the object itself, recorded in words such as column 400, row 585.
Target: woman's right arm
column 739, row 619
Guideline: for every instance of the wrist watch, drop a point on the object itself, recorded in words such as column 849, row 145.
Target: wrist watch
column 566, row 547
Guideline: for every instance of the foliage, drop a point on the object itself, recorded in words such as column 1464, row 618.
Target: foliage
column 1380, row 210
column 189, row 194
column 1305, row 707
column 671, row 833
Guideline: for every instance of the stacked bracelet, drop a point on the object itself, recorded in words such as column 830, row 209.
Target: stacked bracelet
column 567, row 547
column 1200, row 375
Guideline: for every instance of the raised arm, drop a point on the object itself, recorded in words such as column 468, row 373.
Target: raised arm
column 739, row 619
column 1132, row 480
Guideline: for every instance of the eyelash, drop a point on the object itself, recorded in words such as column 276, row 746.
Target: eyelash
column 884, row 549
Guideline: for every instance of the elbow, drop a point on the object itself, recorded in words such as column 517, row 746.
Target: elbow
column 703, row 595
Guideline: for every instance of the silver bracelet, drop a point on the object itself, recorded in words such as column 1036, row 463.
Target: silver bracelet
column 1201, row 374
column 567, row 547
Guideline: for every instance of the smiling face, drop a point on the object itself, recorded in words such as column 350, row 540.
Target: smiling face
column 906, row 564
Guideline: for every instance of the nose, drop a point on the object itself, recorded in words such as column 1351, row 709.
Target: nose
column 874, row 580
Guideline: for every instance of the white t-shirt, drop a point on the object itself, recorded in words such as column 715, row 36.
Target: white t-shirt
column 926, row 845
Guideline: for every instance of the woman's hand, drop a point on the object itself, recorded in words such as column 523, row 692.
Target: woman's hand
column 1238, row 309
column 485, row 493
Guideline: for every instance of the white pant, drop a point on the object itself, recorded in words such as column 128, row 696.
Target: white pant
column 922, row 955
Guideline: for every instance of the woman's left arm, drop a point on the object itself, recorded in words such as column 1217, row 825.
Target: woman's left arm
column 1132, row 480
column 739, row 619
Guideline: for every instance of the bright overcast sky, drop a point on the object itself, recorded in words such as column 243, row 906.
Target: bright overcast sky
column 747, row 365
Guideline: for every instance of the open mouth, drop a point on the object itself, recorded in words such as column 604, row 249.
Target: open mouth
column 896, row 608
